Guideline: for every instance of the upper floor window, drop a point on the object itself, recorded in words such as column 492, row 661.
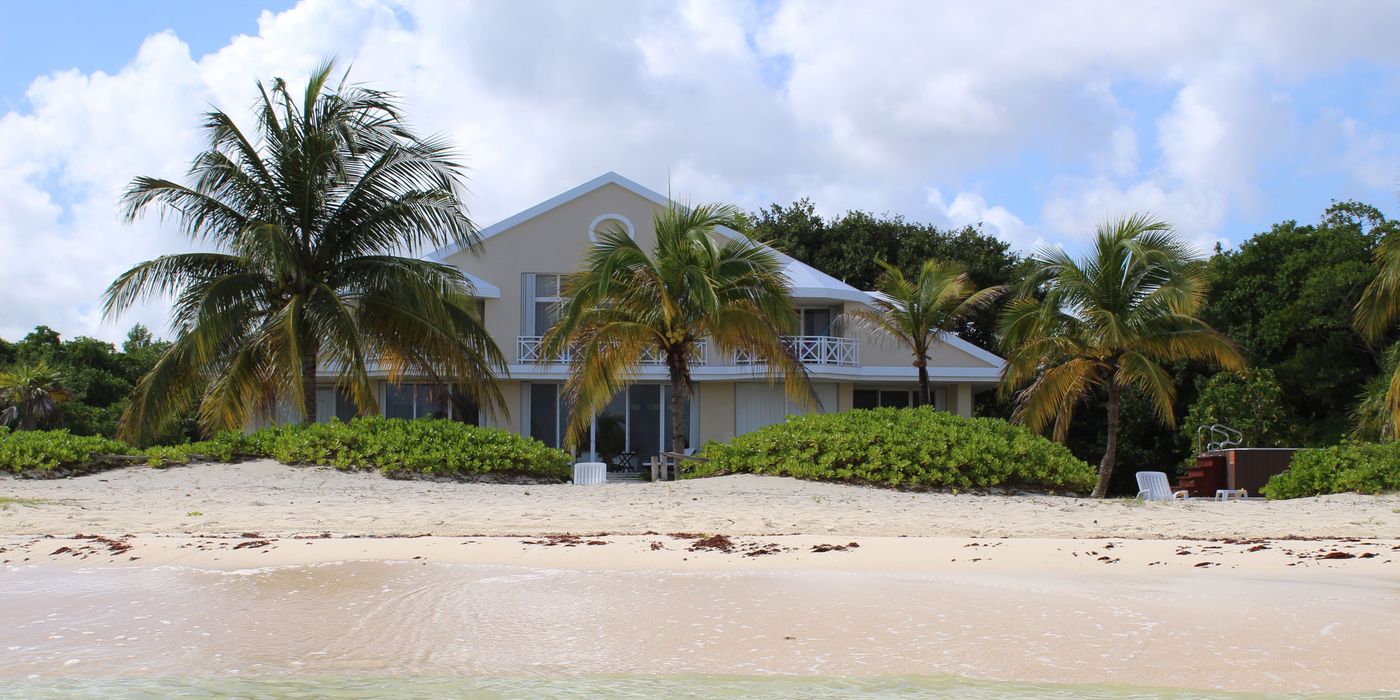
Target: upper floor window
column 817, row 321
column 541, row 301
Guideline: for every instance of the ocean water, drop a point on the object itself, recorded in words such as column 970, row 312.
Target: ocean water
column 614, row 687
column 379, row 630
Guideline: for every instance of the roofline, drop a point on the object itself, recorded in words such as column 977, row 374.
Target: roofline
column 608, row 178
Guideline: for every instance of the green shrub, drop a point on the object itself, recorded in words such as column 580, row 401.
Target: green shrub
column 900, row 447
column 429, row 447
column 396, row 447
column 1363, row 467
column 46, row 450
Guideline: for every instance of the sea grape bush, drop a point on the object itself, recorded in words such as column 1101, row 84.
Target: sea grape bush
column 904, row 448
column 1361, row 467
column 46, row 450
column 396, row 447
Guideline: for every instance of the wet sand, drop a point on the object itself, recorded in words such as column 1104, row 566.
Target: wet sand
column 1231, row 632
column 261, row 570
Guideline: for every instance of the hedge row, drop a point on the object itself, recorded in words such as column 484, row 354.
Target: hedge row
column 1362, row 467
column 395, row 447
column 907, row 448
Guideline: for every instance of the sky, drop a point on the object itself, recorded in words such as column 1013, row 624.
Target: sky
column 1035, row 120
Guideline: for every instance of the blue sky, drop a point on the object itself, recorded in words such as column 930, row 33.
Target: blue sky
column 1035, row 120
column 38, row 38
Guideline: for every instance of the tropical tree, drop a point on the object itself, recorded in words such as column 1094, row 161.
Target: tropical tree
column 1108, row 321
column 1373, row 315
column 309, row 220
column 914, row 313
column 624, row 306
column 30, row 396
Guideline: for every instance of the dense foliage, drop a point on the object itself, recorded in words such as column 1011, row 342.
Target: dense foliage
column 848, row 247
column 1351, row 466
column 47, row 450
column 97, row 377
column 395, row 447
column 1286, row 296
column 901, row 447
column 1250, row 402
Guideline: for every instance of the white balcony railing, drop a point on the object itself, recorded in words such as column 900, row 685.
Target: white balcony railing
column 528, row 352
column 816, row 350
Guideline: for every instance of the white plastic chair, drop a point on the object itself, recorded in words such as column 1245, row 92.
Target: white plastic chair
column 1155, row 487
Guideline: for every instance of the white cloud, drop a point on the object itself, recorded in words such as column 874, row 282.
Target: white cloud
column 882, row 106
column 971, row 209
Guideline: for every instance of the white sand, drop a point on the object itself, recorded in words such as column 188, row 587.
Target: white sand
column 273, row 499
column 1029, row 587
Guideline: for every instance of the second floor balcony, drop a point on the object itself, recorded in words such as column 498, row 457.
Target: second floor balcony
column 822, row 350
column 528, row 351
column 815, row 350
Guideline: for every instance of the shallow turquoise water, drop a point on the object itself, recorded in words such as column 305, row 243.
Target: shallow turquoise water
column 622, row 688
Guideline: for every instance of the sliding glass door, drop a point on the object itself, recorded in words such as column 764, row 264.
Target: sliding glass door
column 633, row 426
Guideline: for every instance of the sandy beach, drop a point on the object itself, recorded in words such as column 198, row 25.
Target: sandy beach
column 259, row 568
column 274, row 499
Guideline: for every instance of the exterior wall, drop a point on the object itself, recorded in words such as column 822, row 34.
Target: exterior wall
column 716, row 401
column 553, row 242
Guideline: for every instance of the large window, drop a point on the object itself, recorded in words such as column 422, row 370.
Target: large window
column 817, row 321
column 896, row 398
column 411, row 401
column 542, row 297
column 636, row 420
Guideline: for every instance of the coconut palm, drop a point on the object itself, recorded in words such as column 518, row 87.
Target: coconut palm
column 624, row 306
column 1375, row 312
column 308, row 220
column 916, row 312
column 30, row 396
column 1108, row 321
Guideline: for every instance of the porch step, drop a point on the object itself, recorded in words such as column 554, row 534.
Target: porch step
column 628, row 477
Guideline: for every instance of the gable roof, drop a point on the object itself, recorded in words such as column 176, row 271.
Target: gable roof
column 806, row 281
column 608, row 178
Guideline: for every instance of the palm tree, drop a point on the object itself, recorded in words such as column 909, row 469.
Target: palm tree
column 916, row 312
column 31, row 396
column 308, row 223
column 624, row 306
column 1110, row 321
column 1375, row 311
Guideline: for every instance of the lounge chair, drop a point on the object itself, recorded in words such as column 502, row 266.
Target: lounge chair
column 1155, row 487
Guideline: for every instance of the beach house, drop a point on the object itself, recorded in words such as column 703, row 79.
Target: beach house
column 517, row 273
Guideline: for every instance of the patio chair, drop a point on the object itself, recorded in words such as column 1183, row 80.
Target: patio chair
column 1153, row 486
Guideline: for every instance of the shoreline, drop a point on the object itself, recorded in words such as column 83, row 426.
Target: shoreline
column 1003, row 610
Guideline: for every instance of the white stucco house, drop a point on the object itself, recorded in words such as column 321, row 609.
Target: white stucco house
column 517, row 273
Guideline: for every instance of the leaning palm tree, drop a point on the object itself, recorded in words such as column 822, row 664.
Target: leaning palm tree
column 625, row 306
column 308, row 220
column 1108, row 321
column 1375, row 312
column 31, row 396
column 914, row 313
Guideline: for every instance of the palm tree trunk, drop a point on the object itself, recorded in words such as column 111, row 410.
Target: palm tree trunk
column 1110, row 454
column 308, row 384
column 678, row 397
column 924, row 399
